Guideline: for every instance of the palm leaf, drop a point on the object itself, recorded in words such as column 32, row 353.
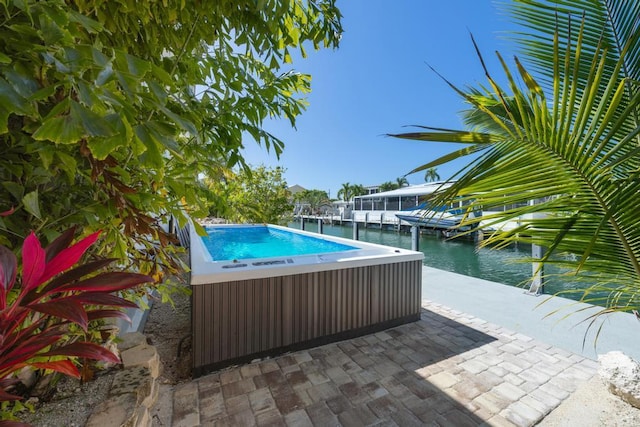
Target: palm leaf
column 610, row 28
column 576, row 155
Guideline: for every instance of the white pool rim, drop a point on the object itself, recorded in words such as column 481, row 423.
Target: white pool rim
column 204, row 270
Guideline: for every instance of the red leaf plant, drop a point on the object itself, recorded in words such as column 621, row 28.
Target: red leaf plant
column 38, row 304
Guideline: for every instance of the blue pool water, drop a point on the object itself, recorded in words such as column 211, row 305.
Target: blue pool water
column 248, row 242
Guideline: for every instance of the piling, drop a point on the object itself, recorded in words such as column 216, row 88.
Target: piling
column 537, row 281
column 537, row 253
column 320, row 226
column 415, row 238
column 356, row 234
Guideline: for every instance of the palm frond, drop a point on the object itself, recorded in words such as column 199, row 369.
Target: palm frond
column 574, row 154
column 609, row 28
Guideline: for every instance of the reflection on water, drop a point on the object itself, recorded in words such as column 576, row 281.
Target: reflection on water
column 507, row 266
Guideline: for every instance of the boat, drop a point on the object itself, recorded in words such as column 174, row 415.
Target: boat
column 439, row 218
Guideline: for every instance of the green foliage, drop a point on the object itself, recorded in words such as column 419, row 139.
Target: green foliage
column 348, row 191
column 576, row 153
column 256, row 195
column 45, row 296
column 402, row 182
column 10, row 412
column 388, row 186
column 431, row 175
column 109, row 111
column 358, row 190
column 345, row 193
column 312, row 200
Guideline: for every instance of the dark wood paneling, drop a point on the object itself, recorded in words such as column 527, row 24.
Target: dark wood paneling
column 235, row 320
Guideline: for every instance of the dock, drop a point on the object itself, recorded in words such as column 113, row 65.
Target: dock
column 374, row 219
column 561, row 322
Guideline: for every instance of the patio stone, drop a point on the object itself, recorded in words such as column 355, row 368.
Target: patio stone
column 297, row 418
column 457, row 418
column 522, row 414
column 322, row 392
column 492, row 402
column 448, row 368
column 250, row 371
column 509, row 391
column 474, row 366
column 238, row 387
column 238, row 404
column 288, row 403
column 320, row 414
column 338, row 404
column 443, row 380
column 261, row 401
column 383, row 406
column 212, row 407
column 360, row 415
column 270, row 418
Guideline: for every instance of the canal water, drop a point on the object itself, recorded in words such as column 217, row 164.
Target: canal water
column 508, row 266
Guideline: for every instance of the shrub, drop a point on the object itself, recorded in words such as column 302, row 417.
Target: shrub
column 40, row 302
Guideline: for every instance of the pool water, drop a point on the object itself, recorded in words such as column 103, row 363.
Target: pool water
column 249, row 242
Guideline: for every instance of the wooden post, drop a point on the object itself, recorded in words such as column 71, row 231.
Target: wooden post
column 356, row 234
column 415, row 238
column 320, row 226
column 301, row 222
column 381, row 219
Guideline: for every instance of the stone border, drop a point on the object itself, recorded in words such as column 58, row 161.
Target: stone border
column 134, row 389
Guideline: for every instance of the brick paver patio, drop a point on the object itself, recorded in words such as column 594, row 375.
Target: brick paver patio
column 448, row 369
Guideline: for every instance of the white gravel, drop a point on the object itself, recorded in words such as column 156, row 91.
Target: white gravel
column 592, row 405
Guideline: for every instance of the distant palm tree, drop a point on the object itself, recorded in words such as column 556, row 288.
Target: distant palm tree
column 388, row 186
column 431, row 175
column 314, row 199
column 358, row 190
column 402, row 182
column 346, row 192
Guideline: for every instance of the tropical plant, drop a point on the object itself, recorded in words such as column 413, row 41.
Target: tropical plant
column 122, row 106
column 576, row 154
column 314, row 199
column 402, row 182
column 358, row 190
column 388, row 186
column 346, row 192
column 39, row 302
column 255, row 195
column 431, row 175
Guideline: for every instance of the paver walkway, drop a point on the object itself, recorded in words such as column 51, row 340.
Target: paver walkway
column 448, row 369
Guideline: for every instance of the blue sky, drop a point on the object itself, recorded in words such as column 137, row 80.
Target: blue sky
column 378, row 82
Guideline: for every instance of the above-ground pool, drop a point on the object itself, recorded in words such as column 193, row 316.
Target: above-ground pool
column 313, row 290
column 249, row 242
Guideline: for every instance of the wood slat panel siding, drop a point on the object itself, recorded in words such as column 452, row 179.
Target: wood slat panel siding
column 235, row 321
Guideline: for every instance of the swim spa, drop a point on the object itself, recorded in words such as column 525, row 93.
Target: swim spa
column 254, row 305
